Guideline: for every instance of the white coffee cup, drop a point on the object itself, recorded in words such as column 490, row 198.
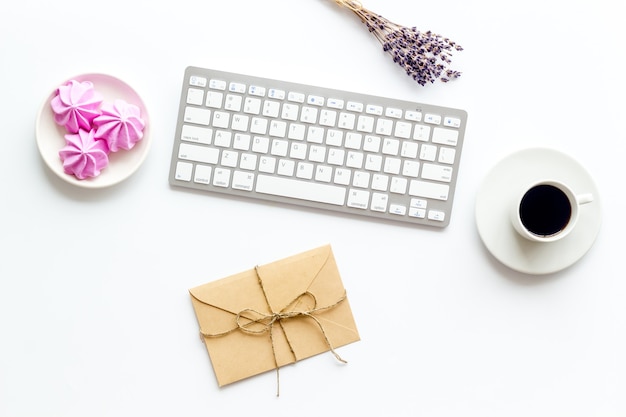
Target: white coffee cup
column 547, row 210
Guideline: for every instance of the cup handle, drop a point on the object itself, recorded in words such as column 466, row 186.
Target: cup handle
column 584, row 198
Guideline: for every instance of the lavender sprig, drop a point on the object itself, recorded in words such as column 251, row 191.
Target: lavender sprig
column 425, row 56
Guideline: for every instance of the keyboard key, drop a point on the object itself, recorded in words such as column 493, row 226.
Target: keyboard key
column 336, row 156
column 323, row 173
column 267, row 164
column 437, row 172
column 436, row 215
column 183, row 171
column 198, row 153
column 379, row 202
column 290, row 112
column 445, row 136
column 190, row 133
column 315, row 100
column 433, row 119
column 335, row 103
column 374, row 109
column 221, row 119
column 233, row 102
column 409, row 150
column 243, row 180
column 398, row 185
column 308, row 115
column 221, row 178
column 393, row 112
column 380, row 182
column 271, row 108
column 417, row 213
column 452, row 122
column 334, row 137
column 353, row 140
column 384, row 127
column 248, row 161
column 428, row 152
column 258, row 126
column 296, row 97
column 397, row 209
column 410, row 168
column 256, row 90
column 202, row 174
column 354, row 106
column 358, row 199
column 429, row 190
column 391, row 146
column 419, row 203
column 403, row 130
column 195, row 96
column 276, row 94
column 328, row 118
column 235, row 87
column 217, row 84
column 304, row 170
column 346, row 121
column 286, row 167
column 214, row 99
column 372, row 143
column 197, row 116
column 252, row 105
column 366, row 124
column 197, row 81
column 303, row 190
column 414, row 116
column 421, row 133
column 447, row 155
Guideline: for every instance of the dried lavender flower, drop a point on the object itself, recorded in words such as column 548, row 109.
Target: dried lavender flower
column 425, row 56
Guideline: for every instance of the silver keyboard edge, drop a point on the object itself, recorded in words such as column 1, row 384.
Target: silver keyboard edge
column 327, row 92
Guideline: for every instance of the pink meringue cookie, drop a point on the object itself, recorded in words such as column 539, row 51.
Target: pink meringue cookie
column 75, row 105
column 120, row 124
column 84, row 156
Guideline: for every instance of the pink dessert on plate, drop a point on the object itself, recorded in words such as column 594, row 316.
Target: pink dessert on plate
column 120, row 125
column 84, row 156
column 75, row 105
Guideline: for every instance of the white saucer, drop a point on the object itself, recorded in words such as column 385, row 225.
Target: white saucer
column 122, row 164
column 500, row 188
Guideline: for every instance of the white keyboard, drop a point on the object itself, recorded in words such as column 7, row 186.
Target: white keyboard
column 317, row 147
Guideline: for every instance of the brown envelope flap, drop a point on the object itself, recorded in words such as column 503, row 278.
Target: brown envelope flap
column 314, row 271
column 217, row 303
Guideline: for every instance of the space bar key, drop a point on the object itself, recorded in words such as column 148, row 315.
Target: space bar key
column 302, row 190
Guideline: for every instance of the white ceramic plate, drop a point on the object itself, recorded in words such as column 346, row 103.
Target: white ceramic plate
column 500, row 188
column 122, row 164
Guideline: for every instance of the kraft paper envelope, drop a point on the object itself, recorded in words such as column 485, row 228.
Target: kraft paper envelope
column 274, row 315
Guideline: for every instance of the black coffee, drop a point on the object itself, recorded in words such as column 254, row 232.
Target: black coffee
column 545, row 210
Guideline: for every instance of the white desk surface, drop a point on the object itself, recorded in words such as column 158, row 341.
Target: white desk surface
column 95, row 317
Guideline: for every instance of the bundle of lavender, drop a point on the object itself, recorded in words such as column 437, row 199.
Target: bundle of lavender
column 425, row 56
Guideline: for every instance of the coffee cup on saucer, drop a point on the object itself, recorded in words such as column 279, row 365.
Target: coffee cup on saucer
column 547, row 210
column 533, row 249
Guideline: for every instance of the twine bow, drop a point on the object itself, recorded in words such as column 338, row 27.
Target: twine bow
column 254, row 322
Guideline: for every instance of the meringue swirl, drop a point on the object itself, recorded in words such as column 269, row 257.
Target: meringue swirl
column 120, row 124
column 75, row 105
column 84, row 156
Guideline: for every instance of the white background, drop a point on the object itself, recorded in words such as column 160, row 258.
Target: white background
column 95, row 317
